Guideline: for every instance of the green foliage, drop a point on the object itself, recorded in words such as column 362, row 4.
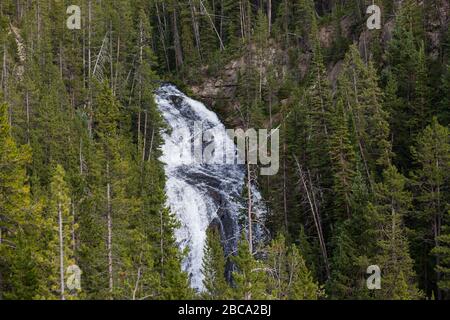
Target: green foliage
column 288, row 277
column 80, row 139
column 409, row 64
column 442, row 251
column 343, row 159
column 444, row 93
column 249, row 277
column 90, row 132
column 389, row 208
column 432, row 155
column 216, row 286
column 363, row 100
column 19, row 220
column 57, row 242
column 353, row 246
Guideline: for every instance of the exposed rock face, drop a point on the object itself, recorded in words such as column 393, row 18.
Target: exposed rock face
column 334, row 73
column 21, row 52
column 437, row 24
column 326, row 36
column 223, row 85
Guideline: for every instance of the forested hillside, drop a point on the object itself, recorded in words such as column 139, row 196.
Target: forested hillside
column 364, row 160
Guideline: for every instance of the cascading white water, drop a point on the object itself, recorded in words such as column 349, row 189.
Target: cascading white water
column 199, row 193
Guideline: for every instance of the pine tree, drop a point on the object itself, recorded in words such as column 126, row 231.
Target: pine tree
column 444, row 94
column 442, row 251
column 363, row 101
column 59, row 252
column 249, row 277
column 344, row 280
column 261, row 32
column 174, row 281
column 392, row 203
column 191, row 53
column 432, row 155
column 304, row 246
column 303, row 286
column 343, row 160
column 288, row 278
column 106, row 128
column 353, row 245
column 208, row 31
column 147, row 117
column 283, row 23
column 214, row 263
column 392, row 102
column 230, row 25
column 18, row 270
column 319, row 102
column 421, row 106
column 406, row 57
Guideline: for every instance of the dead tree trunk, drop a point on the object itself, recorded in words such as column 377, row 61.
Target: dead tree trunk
column 213, row 26
column 117, row 66
column 285, row 178
column 81, row 157
column 161, row 240
column 144, row 145
column 4, row 71
column 74, row 239
column 91, row 120
column 109, row 226
column 176, row 40
column 151, row 145
column 61, row 252
column 138, row 278
column 250, row 205
column 162, row 35
column 196, row 28
column 28, row 115
column 307, row 185
column 111, row 62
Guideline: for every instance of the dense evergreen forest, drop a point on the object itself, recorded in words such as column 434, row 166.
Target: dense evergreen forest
column 364, row 161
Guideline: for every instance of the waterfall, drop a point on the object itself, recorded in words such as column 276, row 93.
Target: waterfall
column 198, row 193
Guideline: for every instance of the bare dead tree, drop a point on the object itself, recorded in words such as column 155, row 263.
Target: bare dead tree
column 61, row 252
column 176, row 40
column 89, row 58
column 222, row 47
column 250, row 207
column 162, row 34
column 196, row 28
column 102, row 58
column 109, row 226
column 138, row 278
column 307, row 185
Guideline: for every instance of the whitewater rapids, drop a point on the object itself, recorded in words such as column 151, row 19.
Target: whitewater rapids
column 200, row 194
